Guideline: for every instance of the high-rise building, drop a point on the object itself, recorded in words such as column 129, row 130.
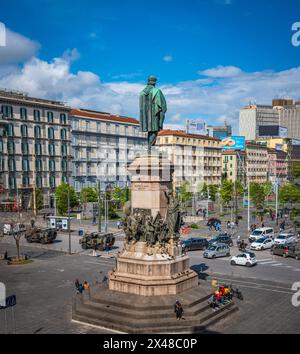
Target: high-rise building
column 196, row 158
column 289, row 117
column 102, row 146
column 277, row 166
column 254, row 116
column 34, row 146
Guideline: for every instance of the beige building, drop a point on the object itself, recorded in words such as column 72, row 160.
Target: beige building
column 257, row 162
column 34, row 145
column 234, row 165
column 196, row 158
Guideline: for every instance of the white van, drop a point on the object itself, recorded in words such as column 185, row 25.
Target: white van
column 262, row 232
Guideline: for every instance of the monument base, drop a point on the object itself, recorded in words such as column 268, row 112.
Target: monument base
column 128, row 313
column 150, row 271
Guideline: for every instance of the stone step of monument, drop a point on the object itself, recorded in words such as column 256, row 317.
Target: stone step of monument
column 191, row 298
column 164, row 324
column 166, row 312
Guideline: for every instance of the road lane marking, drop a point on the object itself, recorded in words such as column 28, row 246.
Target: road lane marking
column 270, row 262
column 277, row 265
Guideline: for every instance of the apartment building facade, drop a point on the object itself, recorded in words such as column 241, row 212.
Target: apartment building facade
column 197, row 158
column 257, row 162
column 234, row 166
column 34, row 146
column 278, row 168
column 102, row 146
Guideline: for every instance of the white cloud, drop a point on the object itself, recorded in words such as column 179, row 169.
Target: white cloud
column 221, row 71
column 168, row 58
column 217, row 97
column 18, row 49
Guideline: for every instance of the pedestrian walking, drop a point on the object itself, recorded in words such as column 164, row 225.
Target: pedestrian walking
column 178, row 310
column 228, row 224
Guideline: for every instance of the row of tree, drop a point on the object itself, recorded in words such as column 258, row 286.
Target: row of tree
column 289, row 193
column 116, row 197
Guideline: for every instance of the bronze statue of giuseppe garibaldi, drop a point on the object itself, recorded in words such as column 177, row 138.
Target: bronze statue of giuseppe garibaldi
column 153, row 107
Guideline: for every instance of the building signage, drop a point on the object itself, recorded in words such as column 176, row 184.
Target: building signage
column 234, row 143
column 196, row 127
column 273, row 131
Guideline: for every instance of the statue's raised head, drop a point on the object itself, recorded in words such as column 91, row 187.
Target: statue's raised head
column 152, row 80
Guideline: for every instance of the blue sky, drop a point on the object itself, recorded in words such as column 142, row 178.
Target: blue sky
column 204, row 52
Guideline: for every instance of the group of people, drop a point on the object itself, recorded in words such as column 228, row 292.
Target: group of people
column 216, row 224
column 81, row 287
column 222, row 295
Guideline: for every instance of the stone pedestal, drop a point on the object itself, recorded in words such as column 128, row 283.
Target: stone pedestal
column 151, row 179
column 159, row 269
column 145, row 271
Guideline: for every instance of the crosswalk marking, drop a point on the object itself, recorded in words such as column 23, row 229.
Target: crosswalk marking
column 276, row 265
column 270, row 262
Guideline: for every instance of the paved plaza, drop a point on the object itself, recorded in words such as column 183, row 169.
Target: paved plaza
column 45, row 289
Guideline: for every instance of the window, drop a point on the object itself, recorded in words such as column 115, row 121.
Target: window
column 39, row 165
column 63, row 134
column 7, row 111
column 10, row 130
column 11, row 165
column 63, row 118
column 24, row 131
column 37, row 132
column 64, row 165
column 37, row 115
column 64, row 179
column 51, row 149
column 10, row 147
column 1, row 146
column 25, row 165
column 23, row 113
column 12, row 182
column 50, row 133
column 38, row 148
column 24, row 148
column 64, row 150
column 25, row 181
column 39, row 181
column 50, row 117
column 52, row 165
column 52, row 181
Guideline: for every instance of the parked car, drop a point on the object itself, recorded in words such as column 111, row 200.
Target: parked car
column 260, row 233
column 247, row 259
column 262, row 244
column 221, row 239
column 284, row 238
column 194, row 243
column 217, row 250
column 288, row 250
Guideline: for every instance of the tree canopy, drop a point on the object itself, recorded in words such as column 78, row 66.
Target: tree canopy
column 61, row 195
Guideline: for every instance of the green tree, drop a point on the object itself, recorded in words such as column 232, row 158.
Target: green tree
column 289, row 193
column 39, row 200
column 213, row 191
column 226, row 192
column 61, row 195
column 119, row 195
column 268, row 188
column 257, row 195
column 88, row 195
column 185, row 195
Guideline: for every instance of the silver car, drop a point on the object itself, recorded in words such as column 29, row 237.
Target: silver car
column 217, row 250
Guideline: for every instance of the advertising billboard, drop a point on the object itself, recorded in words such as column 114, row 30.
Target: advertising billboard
column 273, row 131
column 196, row 127
column 234, row 143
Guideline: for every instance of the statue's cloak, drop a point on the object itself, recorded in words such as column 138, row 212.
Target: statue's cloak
column 153, row 107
